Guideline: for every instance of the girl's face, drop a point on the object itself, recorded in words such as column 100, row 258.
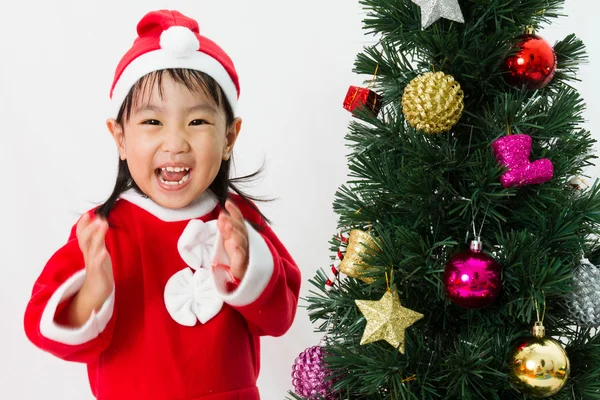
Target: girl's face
column 174, row 144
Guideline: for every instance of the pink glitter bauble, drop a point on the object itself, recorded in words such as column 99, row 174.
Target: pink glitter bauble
column 472, row 279
column 513, row 151
column 309, row 373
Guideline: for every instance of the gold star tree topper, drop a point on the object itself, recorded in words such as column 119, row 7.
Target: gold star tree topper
column 432, row 10
column 387, row 319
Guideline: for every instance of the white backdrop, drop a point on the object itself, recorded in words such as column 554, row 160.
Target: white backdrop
column 294, row 60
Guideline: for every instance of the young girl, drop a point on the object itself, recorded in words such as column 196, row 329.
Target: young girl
column 164, row 290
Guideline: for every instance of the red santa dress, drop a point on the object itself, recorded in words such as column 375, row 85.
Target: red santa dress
column 171, row 329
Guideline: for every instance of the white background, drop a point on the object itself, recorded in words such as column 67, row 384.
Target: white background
column 294, row 60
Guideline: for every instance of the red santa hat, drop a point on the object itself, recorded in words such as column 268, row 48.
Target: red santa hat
column 168, row 39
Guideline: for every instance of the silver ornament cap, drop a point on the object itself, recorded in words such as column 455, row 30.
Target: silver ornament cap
column 476, row 245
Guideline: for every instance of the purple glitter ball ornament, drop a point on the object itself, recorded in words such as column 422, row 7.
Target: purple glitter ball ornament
column 309, row 373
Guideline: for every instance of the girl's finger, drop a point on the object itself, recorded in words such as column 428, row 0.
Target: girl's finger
column 237, row 256
column 237, row 249
column 84, row 221
column 224, row 223
column 237, row 218
column 97, row 241
column 233, row 210
column 238, row 238
column 100, row 257
column 84, row 231
column 87, row 234
column 224, row 217
column 240, row 229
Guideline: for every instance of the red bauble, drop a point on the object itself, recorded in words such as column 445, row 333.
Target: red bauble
column 472, row 279
column 362, row 98
column 533, row 66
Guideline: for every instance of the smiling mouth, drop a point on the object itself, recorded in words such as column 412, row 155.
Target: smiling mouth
column 173, row 176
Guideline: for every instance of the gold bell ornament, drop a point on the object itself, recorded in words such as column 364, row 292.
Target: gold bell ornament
column 360, row 244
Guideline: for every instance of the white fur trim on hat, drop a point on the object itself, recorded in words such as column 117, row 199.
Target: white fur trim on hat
column 165, row 59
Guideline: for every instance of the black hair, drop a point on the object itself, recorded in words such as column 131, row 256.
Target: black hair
column 195, row 81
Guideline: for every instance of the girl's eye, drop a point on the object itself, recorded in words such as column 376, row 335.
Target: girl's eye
column 197, row 122
column 151, row 122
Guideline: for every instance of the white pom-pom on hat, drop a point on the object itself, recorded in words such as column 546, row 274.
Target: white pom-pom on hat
column 179, row 41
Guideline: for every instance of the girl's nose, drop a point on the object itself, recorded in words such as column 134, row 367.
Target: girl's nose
column 175, row 142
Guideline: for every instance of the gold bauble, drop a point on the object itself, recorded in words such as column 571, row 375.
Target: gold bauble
column 387, row 320
column 539, row 366
column 360, row 243
column 433, row 102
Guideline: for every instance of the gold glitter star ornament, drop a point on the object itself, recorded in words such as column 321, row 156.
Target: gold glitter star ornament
column 387, row 320
column 432, row 10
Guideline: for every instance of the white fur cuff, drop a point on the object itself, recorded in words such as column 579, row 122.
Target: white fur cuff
column 74, row 336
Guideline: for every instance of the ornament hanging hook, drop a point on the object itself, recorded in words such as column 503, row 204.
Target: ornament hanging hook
column 374, row 76
column 581, row 251
column 475, row 234
column 537, row 307
column 387, row 281
column 327, row 330
column 544, row 310
column 539, row 330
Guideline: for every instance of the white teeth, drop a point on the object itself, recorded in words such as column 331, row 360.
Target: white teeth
column 173, row 183
column 175, row 169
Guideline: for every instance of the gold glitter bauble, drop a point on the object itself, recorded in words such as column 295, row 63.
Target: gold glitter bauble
column 387, row 320
column 360, row 244
column 433, row 102
column 539, row 366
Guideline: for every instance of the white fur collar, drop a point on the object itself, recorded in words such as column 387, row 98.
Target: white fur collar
column 197, row 208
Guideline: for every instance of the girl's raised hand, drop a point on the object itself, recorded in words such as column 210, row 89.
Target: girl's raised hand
column 99, row 279
column 235, row 239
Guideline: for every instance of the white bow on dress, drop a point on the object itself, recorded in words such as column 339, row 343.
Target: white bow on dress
column 191, row 295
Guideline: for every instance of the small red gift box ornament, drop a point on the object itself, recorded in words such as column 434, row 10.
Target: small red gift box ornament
column 362, row 98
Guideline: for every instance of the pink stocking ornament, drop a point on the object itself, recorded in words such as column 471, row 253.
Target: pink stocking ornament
column 513, row 152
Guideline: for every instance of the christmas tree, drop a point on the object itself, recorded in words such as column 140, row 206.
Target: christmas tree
column 466, row 227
